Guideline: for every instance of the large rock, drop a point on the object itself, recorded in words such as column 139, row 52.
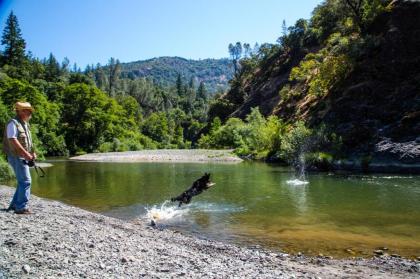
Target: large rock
column 404, row 152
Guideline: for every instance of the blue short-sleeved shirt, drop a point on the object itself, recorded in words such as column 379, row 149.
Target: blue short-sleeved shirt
column 12, row 131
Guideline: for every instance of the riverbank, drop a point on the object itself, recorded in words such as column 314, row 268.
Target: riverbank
column 163, row 155
column 68, row 242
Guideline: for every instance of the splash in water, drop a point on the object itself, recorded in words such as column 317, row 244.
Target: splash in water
column 299, row 165
column 164, row 212
column 297, row 182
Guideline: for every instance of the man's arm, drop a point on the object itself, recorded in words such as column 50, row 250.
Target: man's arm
column 22, row 152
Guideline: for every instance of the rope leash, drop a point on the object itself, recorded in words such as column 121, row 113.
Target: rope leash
column 40, row 170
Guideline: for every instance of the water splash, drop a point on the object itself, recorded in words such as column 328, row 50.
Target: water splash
column 300, row 167
column 165, row 212
column 297, row 182
column 169, row 214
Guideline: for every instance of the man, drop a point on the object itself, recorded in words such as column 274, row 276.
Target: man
column 17, row 144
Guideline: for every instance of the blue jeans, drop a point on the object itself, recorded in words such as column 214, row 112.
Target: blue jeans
column 23, row 190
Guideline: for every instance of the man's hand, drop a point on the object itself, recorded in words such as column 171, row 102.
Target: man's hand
column 34, row 156
column 25, row 154
column 28, row 156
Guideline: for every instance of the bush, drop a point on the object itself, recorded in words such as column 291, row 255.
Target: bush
column 132, row 143
column 320, row 160
column 225, row 136
column 255, row 137
column 6, row 172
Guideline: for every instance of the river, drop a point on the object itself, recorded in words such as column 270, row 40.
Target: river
column 252, row 204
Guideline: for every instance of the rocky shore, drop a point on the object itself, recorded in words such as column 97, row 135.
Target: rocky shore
column 61, row 241
column 163, row 155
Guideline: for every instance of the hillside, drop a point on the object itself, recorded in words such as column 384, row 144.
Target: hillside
column 362, row 82
column 215, row 73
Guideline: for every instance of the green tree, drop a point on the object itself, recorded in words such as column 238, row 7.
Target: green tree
column 90, row 118
column 202, row 91
column 130, row 105
column 52, row 69
column 156, row 127
column 114, row 70
column 180, row 86
column 100, row 77
column 235, row 52
column 14, row 44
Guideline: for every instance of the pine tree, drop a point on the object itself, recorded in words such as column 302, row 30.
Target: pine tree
column 65, row 64
column 100, row 77
column 179, row 86
column 114, row 70
column 14, row 50
column 284, row 28
column 201, row 91
column 52, row 69
column 191, row 85
column 247, row 50
column 235, row 52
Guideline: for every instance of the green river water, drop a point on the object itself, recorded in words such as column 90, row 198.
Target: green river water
column 252, row 204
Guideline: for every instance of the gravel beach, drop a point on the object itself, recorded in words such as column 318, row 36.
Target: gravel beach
column 163, row 155
column 61, row 241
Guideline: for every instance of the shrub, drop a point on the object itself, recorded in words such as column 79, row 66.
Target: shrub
column 6, row 172
column 255, row 137
column 320, row 160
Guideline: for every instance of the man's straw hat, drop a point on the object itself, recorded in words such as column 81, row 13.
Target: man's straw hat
column 23, row 106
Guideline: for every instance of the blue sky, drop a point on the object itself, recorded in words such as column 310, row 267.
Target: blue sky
column 92, row 31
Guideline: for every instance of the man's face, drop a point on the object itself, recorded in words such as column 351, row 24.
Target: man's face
column 25, row 114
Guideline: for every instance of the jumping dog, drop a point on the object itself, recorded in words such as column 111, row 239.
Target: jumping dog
column 197, row 188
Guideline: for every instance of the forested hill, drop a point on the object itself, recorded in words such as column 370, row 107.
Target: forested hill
column 215, row 73
column 354, row 67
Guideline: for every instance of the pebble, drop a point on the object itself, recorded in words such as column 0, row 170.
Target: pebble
column 26, row 268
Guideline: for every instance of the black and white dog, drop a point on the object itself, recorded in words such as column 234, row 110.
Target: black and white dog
column 197, row 188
